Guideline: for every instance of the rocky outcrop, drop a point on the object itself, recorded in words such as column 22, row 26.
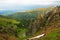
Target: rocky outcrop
column 44, row 20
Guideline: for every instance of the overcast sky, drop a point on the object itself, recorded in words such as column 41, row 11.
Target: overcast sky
column 21, row 4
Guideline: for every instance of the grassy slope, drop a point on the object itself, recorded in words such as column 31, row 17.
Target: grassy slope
column 53, row 35
column 9, row 28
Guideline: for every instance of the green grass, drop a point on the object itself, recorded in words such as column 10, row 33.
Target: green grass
column 53, row 35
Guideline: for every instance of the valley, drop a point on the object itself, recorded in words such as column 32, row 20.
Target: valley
column 41, row 23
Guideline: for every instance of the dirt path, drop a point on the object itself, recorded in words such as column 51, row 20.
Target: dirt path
column 36, row 37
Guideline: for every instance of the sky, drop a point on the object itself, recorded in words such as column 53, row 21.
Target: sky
column 26, row 4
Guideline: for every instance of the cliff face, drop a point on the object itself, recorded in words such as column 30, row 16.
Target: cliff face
column 45, row 20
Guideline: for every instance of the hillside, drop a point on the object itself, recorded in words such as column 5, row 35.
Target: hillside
column 9, row 29
column 28, row 16
column 48, row 23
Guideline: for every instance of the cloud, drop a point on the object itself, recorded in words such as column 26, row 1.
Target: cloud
column 15, row 4
column 28, row 2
